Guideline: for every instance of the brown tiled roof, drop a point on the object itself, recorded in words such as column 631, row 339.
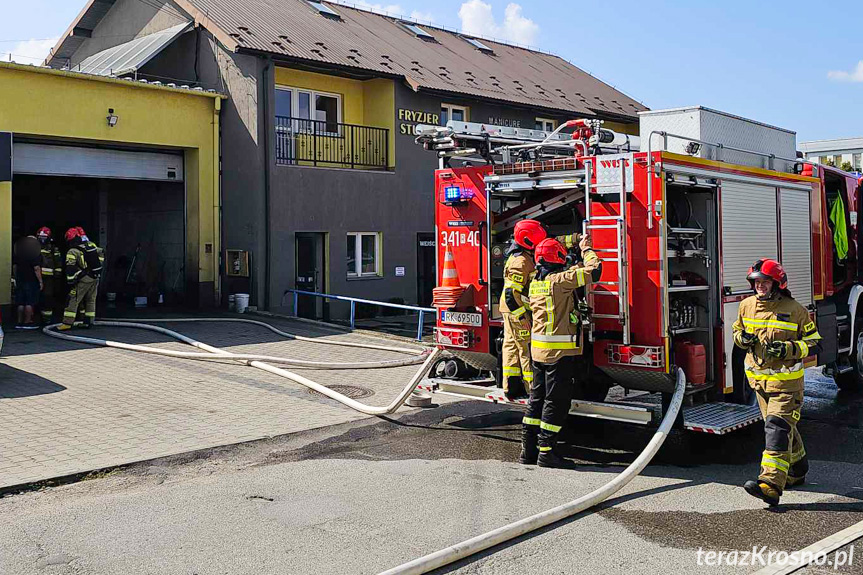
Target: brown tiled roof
column 380, row 44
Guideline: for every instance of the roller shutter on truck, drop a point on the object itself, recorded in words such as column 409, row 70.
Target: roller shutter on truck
column 796, row 234
column 748, row 230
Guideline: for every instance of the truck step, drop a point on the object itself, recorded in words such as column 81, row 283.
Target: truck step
column 719, row 418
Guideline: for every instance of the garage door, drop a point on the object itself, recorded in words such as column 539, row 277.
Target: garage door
column 748, row 230
column 52, row 160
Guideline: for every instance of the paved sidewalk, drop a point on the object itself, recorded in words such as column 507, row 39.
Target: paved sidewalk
column 69, row 408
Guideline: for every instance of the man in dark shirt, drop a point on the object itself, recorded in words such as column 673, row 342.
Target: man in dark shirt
column 27, row 268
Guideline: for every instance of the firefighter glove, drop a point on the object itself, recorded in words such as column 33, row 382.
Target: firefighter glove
column 748, row 339
column 780, row 349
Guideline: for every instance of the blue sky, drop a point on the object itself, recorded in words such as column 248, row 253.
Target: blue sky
column 785, row 63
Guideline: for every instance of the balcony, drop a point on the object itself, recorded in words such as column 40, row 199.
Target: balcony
column 302, row 142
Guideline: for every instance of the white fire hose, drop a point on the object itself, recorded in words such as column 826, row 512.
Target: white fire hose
column 507, row 532
column 216, row 354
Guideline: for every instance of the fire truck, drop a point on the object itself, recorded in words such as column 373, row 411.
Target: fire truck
column 677, row 214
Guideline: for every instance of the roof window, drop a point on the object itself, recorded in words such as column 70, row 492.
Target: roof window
column 324, row 9
column 418, row 31
column 479, row 45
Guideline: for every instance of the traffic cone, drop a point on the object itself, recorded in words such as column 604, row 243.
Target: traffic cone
column 449, row 278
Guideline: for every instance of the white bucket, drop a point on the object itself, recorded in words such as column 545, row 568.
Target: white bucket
column 242, row 300
column 232, row 302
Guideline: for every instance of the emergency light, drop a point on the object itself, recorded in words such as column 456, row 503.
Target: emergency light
column 453, row 195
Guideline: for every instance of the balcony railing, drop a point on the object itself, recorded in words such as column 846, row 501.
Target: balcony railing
column 331, row 144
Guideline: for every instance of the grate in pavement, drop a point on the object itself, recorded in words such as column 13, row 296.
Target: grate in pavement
column 352, row 391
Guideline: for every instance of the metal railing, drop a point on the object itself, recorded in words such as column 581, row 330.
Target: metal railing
column 354, row 301
column 334, row 144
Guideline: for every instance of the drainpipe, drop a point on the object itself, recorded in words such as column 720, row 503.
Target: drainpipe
column 268, row 124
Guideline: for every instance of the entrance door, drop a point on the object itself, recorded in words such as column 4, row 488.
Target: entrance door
column 426, row 275
column 310, row 273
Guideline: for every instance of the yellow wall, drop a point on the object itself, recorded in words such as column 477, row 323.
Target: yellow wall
column 58, row 105
column 365, row 103
column 631, row 129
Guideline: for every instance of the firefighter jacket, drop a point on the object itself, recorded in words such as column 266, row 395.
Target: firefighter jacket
column 518, row 272
column 85, row 258
column 556, row 330
column 778, row 319
column 52, row 262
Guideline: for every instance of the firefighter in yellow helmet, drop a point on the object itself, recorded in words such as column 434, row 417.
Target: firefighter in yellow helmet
column 556, row 340
column 778, row 335
column 517, row 273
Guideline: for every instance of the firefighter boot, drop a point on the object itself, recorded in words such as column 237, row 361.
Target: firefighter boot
column 529, row 448
column 763, row 491
column 548, row 456
column 514, row 388
column 64, row 327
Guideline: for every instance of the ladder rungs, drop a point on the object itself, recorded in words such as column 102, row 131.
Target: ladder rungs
column 606, row 316
column 610, row 259
column 603, row 218
column 601, row 227
column 606, row 283
column 615, row 250
column 605, row 292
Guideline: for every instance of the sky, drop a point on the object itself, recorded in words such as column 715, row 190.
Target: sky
column 786, row 63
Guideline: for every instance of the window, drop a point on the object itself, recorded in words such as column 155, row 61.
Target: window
column 364, row 254
column 324, row 9
column 478, row 45
column 837, row 160
column 302, row 105
column 418, row 31
column 546, row 125
column 452, row 112
column 856, row 162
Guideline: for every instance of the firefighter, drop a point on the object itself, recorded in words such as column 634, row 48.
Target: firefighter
column 81, row 319
column 556, row 340
column 52, row 274
column 517, row 273
column 83, row 269
column 778, row 335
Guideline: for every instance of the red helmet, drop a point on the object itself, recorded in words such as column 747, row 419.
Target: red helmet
column 528, row 234
column 44, row 231
column 550, row 251
column 72, row 233
column 768, row 269
column 81, row 231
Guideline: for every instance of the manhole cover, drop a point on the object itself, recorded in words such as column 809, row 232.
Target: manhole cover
column 352, row 391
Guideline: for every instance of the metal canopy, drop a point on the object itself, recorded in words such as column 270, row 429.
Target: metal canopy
column 129, row 57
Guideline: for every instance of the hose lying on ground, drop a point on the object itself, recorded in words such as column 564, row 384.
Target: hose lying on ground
column 508, row 532
column 216, row 354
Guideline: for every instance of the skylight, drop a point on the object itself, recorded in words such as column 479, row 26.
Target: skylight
column 478, row 45
column 417, row 30
column 323, row 9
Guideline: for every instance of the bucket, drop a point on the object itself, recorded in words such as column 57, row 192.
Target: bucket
column 232, row 302
column 141, row 302
column 242, row 302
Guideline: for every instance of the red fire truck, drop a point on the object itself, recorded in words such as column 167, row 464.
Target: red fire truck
column 677, row 224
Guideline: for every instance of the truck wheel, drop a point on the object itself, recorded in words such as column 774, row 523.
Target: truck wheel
column 852, row 381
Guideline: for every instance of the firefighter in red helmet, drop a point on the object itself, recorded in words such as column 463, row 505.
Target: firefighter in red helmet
column 517, row 273
column 83, row 270
column 778, row 335
column 556, row 340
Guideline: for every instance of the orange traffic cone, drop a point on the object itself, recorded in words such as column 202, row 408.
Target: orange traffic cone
column 450, row 290
column 449, row 278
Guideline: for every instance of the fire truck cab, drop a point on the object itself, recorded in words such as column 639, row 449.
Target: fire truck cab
column 678, row 215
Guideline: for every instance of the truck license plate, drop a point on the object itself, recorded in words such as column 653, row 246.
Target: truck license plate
column 461, row 318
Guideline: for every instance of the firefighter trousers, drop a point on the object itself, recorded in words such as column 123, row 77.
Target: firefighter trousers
column 516, row 352
column 50, row 299
column 550, row 400
column 83, row 291
column 784, row 455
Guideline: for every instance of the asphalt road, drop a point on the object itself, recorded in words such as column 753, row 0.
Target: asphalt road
column 366, row 496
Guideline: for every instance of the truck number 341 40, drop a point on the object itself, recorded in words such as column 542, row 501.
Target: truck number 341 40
column 456, row 238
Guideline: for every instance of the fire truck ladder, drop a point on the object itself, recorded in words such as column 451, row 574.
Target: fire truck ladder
column 617, row 253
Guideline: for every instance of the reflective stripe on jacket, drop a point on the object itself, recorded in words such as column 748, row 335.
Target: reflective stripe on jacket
column 556, row 330
column 778, row 319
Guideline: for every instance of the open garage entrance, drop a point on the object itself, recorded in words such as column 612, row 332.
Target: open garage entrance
column 131, row 203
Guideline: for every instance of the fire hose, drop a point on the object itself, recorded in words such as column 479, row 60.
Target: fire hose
column 262, row 361
column 506, row 533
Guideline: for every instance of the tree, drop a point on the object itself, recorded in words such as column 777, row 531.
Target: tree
column 847, row 167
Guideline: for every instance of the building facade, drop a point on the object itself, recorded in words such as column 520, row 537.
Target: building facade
column 835, row 152
column 324, row 187
column 135, row 165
